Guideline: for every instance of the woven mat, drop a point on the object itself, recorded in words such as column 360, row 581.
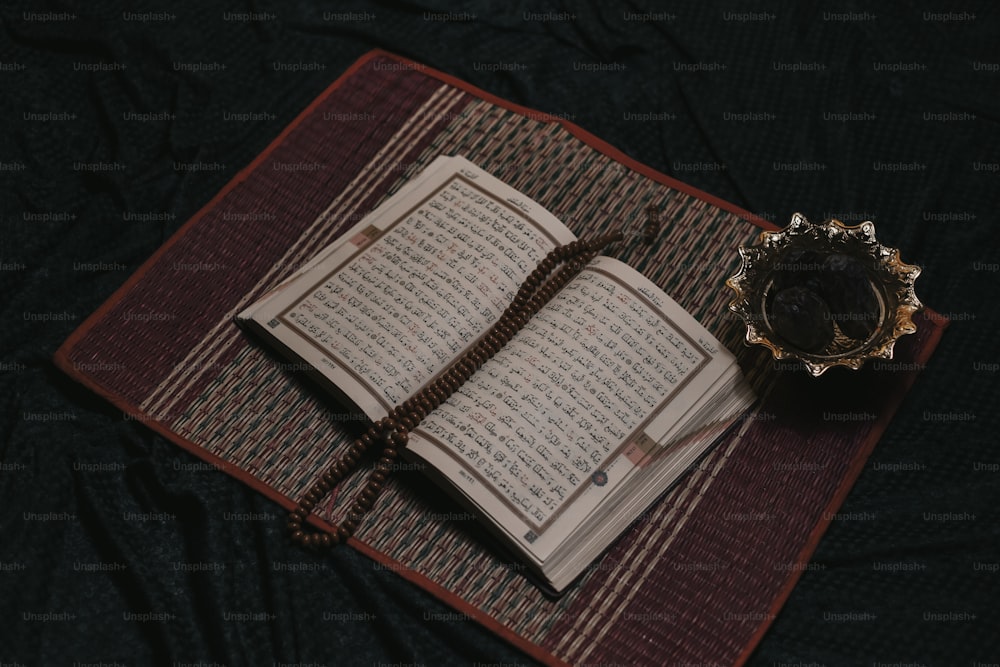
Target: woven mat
column 697, row 579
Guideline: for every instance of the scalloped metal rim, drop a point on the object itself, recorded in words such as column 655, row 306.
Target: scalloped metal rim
column 897, row 323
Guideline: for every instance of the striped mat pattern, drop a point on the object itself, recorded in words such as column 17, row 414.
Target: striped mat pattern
column 697, row 579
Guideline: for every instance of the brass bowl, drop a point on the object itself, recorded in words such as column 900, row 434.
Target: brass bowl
column 891, row 279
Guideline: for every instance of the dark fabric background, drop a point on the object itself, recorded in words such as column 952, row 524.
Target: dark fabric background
column 752, row 109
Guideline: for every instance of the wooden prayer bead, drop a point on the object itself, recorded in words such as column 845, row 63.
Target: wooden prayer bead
column 392, row 432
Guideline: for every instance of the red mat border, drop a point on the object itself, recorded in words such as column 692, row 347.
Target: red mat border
column 63, row 362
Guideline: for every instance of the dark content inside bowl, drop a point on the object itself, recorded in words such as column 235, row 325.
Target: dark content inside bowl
column 824, row 300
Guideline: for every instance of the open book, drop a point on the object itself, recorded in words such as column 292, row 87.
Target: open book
column 602, row 401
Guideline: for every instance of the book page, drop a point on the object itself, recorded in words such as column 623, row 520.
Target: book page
column 572, row 405
column 414, row 288
column 372, row 219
